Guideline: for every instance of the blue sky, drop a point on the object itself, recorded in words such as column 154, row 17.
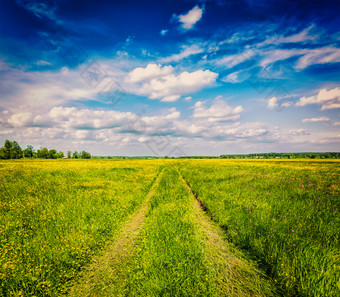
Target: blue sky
column 171, row 77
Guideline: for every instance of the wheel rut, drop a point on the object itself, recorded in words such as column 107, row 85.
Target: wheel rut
column 233, row 270
column 105, row 271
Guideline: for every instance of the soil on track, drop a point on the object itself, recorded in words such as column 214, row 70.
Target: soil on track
column 233, row 270
column 103, row 276
column 108, row 274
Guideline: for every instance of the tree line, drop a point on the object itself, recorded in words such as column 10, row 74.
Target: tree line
column 309, row 155
column 12, row 150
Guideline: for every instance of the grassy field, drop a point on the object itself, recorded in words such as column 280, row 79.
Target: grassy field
column 285, row 214
column 55, row 215
column 169, row 228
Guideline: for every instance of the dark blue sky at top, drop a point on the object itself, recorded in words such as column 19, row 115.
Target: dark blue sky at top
column 103, row 26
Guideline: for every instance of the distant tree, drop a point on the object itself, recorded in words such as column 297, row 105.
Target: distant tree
column 16, row 151
column 75, row 155
column 28, row 152
column 43, row 153
column 52, row 154
column 8, row 149
column 12, row 150
column 85, row 155
column 3, row 154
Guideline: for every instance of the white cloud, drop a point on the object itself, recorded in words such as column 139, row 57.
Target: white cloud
column 90, row 124
column 42, row 63
column 301, row 37
column 218, row 111
column 150, row 71
column 279, row 55
column 171, row 98
column 236, row 77
column 297, row 132
column 188, row 98
column 308, row 57
column 319, row 119
column 20, row 119
column 327, row 99
column 44, row 89
column 164, row 32
column 323, row 55
column 233, row 60
column 273, row 103
column 166, row 87
column 191, row 18
column 232, row 77
column 70, row 128
column 186, row 52
column 336, row 124
column 222, row 131
column 286, row 104
column 75, row 118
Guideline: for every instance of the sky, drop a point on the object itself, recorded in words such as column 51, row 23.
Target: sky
column 171, row 78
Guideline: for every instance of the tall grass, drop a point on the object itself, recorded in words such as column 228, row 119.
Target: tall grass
column 55, row 215
column 285, row 214
column 176, row 257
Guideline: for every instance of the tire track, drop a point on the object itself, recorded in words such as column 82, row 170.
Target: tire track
column 103, row 276
column 235, row 275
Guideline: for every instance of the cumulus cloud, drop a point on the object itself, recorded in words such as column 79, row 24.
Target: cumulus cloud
column 71, row 127
column 150, row 71
column 189, row 19
column 274, row 103
column 313, row 120
column 73, row 119
column 20, row 119
column 159, row 82
column 218, row 111
column 328, row 99
column 171, row 98
column 220, row 130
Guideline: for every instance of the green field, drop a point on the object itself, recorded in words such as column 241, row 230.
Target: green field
column 169, row 227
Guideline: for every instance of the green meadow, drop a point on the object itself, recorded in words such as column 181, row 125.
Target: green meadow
column 169, row 227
